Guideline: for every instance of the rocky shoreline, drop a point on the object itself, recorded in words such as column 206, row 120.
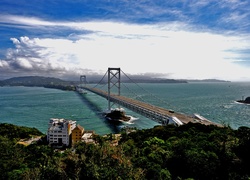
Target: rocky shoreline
column 246, row 101
column 117, row 115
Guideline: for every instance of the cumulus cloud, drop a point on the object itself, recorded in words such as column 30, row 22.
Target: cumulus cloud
column 41, row 57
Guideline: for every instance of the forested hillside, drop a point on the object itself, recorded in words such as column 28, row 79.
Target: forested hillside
column 39, row 81
column 192, row 151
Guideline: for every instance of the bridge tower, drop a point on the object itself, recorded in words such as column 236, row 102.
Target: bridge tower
column 114, row 81
column 83, row 80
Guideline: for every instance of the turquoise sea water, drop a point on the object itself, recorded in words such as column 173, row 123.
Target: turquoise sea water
column 34, row 106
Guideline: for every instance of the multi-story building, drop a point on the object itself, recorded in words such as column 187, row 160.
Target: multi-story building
column 59, row 131
column 77, row 133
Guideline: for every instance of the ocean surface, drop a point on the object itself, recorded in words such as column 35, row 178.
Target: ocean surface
column 34, row 106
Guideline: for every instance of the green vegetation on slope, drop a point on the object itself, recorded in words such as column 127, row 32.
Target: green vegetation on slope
column 12, row 132
column 190, row 151
column 39, row 81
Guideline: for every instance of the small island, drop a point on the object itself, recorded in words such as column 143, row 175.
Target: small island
column 246, row 101
column 117, row 115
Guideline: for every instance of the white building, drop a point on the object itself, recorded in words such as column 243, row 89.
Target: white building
column 88, row 137
column 59, row 131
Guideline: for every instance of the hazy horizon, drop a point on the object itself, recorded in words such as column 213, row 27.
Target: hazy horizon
column 95, row 78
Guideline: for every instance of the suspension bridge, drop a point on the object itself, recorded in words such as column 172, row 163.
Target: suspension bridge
column 158, row 114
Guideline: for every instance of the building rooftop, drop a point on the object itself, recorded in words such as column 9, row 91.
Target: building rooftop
column 59, row 124
column 87, row 135
column 79, row 127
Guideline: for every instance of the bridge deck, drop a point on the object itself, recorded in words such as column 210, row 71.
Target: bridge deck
column 130, row 103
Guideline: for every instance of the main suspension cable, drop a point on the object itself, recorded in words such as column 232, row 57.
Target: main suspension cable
column 101, row 80
column 154, row 96
column 136, row 95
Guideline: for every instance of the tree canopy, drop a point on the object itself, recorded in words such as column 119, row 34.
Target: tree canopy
column 191, row 151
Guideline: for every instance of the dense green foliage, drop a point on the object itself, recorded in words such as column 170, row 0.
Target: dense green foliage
column 191, row 151
column 11, row 131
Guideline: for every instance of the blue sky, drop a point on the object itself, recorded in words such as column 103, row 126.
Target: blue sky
column 194, row 39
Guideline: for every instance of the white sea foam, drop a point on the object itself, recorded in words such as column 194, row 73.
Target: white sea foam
column 227, row 106
column 131, row 121
column 236, row 102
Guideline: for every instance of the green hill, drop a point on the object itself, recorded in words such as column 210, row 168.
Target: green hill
column 32, row 81
column 39, row 81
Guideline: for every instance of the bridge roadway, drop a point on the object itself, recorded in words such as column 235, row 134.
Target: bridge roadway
column 155, row 113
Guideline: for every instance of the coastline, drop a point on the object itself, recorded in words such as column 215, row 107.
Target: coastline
column 242, row 102
column 246, row 101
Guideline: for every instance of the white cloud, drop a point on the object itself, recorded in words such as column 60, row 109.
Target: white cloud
column 236, row 17
column 22, row 20
column 171, row 48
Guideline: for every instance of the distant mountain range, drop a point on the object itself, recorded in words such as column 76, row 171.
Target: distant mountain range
column 207, row 80
column 39, row 81
column 32, row 81
column 153, row 80
column 51, row 82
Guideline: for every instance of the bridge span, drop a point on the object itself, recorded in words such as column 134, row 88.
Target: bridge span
column 155, row 113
